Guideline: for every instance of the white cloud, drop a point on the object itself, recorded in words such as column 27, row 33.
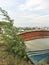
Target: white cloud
column 7, row 4
column 34, row 5
column 31, row 20
column 23, row 14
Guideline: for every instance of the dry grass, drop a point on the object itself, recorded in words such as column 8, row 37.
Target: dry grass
column 6, row 59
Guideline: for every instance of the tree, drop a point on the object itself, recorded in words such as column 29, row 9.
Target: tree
column 15, row 45
column 6, row 16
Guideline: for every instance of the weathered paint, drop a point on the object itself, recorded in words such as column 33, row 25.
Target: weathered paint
column 34, row 35
column 35, row 56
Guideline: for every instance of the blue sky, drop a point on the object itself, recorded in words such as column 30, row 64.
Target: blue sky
column 27, row 13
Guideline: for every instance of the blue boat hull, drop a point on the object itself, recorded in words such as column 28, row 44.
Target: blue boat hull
column 36, row 56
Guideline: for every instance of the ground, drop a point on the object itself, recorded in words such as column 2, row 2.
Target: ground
column 6, row 59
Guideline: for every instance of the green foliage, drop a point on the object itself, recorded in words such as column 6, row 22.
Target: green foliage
column 6, row 16
column 15, row 45
column 27, row 28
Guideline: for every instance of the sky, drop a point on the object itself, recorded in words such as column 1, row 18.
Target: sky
column 27, row 13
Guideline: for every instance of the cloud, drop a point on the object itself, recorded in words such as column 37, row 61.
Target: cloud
column 27, row 12
column 34, row 5
column 31, row 20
